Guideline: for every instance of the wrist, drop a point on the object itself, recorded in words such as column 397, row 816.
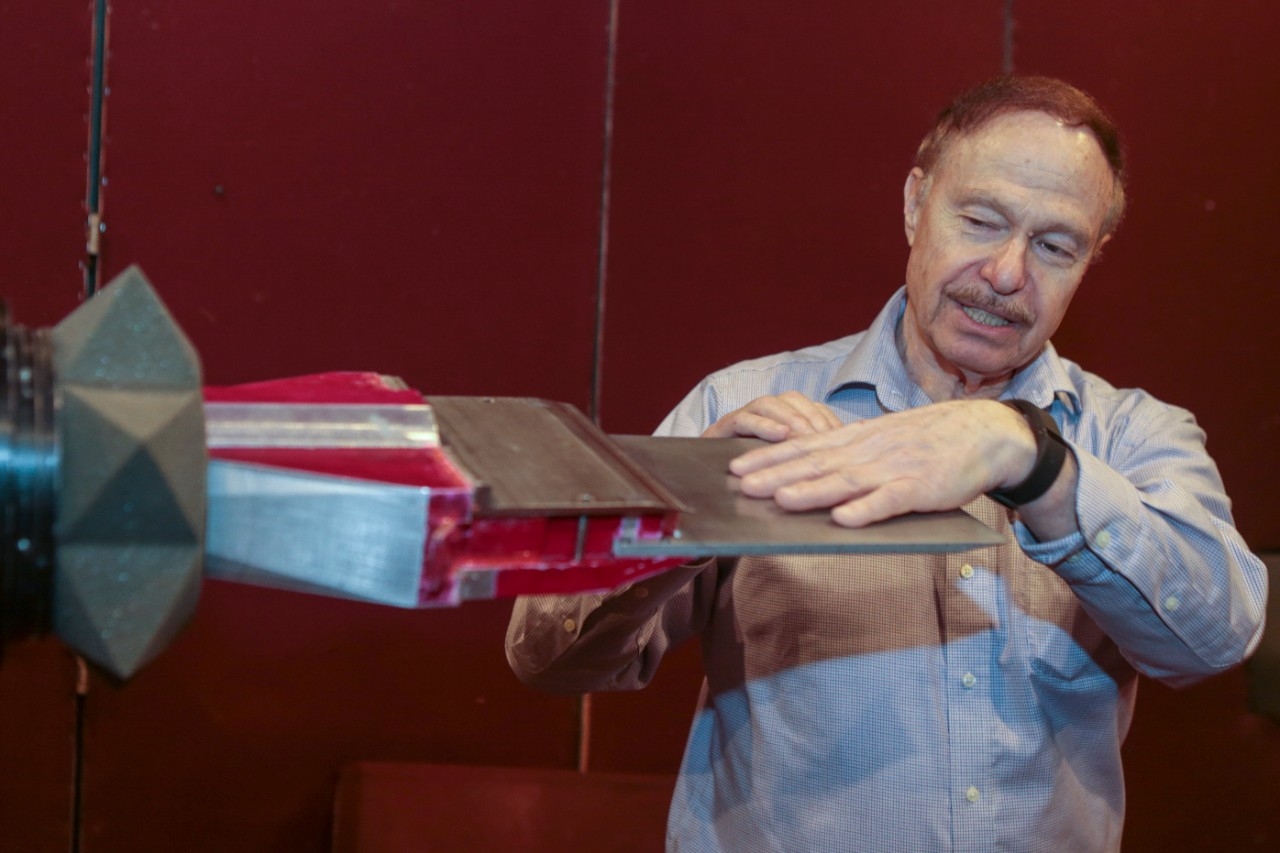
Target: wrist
column 1050, row 456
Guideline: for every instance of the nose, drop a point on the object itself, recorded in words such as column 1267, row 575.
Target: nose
column 1006, row 269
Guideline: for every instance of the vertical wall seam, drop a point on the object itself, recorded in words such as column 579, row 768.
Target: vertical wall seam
column 1006, row 58
column 602, row 244
column 94, row 228
column 597, row 339
column 94, row 225
column 77, row 788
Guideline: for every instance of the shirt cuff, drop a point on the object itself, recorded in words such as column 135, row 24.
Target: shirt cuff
column 1049, row 553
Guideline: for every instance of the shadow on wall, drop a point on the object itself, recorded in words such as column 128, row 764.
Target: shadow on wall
column 1263, row 668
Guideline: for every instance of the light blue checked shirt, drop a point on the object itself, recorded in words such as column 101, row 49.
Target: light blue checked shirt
column 963, row 702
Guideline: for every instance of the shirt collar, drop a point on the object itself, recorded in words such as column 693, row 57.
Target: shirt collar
column 875, row 363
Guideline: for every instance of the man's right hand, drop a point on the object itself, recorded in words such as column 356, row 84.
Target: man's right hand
column 787, row 415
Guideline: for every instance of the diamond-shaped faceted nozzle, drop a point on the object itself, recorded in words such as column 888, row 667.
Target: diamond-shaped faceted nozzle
column 131, row 493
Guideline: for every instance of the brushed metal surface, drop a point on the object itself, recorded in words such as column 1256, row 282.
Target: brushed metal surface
column 722, row 521
column 330, row 535
column 254, row 424
column 540, row 457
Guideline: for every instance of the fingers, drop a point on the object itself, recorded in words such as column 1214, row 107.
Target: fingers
column 854, row 504
column 826, row 491
column 790, row 465
column 932, row 458
column 889, row 501
column 776, row 418
column 820, row 416
column 804, row 447
column 749, row 425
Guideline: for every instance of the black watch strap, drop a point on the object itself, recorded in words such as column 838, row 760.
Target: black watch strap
column 1051, row 453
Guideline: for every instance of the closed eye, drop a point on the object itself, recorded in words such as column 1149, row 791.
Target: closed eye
column 1056, row 251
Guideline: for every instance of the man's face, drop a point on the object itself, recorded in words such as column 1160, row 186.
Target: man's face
column 1001, row 234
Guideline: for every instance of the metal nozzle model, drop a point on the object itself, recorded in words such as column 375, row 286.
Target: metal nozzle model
column 123, row 481
column 104, row 478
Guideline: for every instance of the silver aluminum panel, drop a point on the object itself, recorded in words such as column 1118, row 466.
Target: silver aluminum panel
column 329, row 535
column 319, row 425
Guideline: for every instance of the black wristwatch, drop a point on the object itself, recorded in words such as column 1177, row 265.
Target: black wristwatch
column 1051, row 453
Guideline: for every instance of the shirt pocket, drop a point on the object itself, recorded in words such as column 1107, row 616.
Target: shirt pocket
column 1065, row 647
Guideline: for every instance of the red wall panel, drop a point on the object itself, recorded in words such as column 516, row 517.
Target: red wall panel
column 44, row 52
column 404, row 187
column 1202, row 740
column 44, row 66
column 37, row 747
column 233, row 739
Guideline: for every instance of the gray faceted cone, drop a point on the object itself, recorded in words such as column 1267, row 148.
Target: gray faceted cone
column 124, row 337
column 130, row 528
column 121, row 605
column 133, row 484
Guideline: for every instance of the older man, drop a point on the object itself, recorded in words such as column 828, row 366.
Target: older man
column 970, row 702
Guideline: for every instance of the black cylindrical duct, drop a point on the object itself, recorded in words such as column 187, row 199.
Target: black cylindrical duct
column 28, row 477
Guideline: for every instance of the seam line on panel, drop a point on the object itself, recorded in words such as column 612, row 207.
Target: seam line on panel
column 602, row 257
column 93, row 197
column 597, row 340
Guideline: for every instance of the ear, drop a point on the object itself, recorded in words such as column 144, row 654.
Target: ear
column 1096, row 254
column 912, row 200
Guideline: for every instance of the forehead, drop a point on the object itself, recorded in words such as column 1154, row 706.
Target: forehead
column 1031, row 157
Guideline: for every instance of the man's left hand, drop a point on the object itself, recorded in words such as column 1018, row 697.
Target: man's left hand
column 936, row 457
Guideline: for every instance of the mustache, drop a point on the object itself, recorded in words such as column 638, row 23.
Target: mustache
column 980, row 297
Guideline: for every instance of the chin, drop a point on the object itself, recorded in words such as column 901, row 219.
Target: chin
column 985, row 362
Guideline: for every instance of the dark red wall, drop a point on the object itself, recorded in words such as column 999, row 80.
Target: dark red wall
column 44, row 52
column 425, row 190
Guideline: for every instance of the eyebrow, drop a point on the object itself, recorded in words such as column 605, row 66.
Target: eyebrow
column 982, row 198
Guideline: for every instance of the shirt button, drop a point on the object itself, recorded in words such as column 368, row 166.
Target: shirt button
column 966, row 571
column 1172, row 603
column 1103, row 539
column 968, row 680
column 570, row 625
column 972, row 794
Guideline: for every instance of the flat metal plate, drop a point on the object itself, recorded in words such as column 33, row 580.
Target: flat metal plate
column 539, row 457
column 721, row 521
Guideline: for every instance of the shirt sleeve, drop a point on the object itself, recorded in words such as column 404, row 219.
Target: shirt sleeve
column 587, row 643
column 615, row 641
column 1157, row 561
